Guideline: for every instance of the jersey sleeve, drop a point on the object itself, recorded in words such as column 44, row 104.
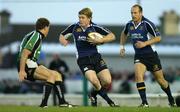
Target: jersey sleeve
column 125, row 30
column 152, row 29
column 101, row 30
column 32, row 41
column 68, row 30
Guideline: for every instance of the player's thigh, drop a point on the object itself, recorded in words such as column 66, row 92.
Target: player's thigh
column 105, row 76
column 92, row 77
column 140, row 70
column 42, row 72
column 158, row 74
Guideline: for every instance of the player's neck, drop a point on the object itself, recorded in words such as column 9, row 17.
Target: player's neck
column 85, row 27
column 137, row 22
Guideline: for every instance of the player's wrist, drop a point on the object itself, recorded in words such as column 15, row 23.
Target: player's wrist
column 102, row 41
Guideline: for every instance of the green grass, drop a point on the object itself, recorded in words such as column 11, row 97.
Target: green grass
column 10, row 108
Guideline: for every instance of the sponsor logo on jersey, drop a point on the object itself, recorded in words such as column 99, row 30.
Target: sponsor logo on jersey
column 136, row 36
column 81, row 38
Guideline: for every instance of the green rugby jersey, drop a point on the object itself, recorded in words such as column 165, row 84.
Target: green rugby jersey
column 32, row 41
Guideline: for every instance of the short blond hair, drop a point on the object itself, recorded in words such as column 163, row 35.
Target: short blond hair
column 86, row 11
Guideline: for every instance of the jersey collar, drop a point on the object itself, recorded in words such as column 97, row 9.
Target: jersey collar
column 84, row 29
column 136, row 26
column 42, row 35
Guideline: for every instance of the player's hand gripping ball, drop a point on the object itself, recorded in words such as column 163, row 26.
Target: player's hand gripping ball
column 95, row 35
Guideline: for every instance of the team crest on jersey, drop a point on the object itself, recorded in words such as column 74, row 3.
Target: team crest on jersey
column 30, row 44
column 78, row 30
column 140, row 27
column 131, row 27
column 155, row 68
column 156, row 30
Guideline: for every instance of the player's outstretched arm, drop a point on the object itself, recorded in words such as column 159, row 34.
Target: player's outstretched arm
column 108, row 38
column 63, row 40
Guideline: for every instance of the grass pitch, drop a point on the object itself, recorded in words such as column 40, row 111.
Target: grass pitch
column 10, row 108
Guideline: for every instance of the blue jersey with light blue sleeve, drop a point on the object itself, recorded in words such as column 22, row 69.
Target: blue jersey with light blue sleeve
column 144, row 31
column 80, row 35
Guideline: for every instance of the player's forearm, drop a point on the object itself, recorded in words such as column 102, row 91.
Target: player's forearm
column 108, row 38
column 24, row 57
column 123, row 39
column 62, row 40
column 153, row 41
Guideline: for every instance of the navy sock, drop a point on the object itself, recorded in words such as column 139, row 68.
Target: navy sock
column 46, row 92
column 58, row 90
column 168, row 92
column 94, row 92
column 142, row 92
column 104, row 95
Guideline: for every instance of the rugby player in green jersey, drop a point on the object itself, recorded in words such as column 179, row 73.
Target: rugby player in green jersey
column 29, row 69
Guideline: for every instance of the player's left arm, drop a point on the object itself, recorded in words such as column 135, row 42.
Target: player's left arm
column 63, row 37
column 108, row 36
column 152, row 29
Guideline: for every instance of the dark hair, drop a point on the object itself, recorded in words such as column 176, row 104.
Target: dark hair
column 42, row 23
column 86, row 11
column 140, row 8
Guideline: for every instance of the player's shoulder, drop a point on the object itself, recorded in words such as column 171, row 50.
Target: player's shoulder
column 95, row 25
column 73, row 24
column 30, row 33
column 128, row 23
column 146, row 20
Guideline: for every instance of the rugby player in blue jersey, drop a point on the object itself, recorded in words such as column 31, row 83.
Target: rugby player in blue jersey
column 89, row 60
column 144, row 34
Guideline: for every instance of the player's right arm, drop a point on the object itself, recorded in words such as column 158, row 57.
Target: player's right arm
column 26, row 51
column 123, row 39
column 62, row 39
column 24, row 57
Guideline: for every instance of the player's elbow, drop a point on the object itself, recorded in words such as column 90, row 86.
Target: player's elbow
column 113, row 37
column 158, row 39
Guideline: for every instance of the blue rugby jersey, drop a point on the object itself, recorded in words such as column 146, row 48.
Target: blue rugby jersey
column 142, row 32
column 80, row 35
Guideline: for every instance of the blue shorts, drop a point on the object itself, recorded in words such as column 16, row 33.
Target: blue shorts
column 93, row 62
column 150, row 60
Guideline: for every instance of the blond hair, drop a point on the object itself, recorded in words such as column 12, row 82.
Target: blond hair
column 86, row 11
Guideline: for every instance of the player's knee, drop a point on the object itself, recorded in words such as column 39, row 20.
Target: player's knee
column 96, row 83
column 107, row 82
column 58, row 76
column 51, row 77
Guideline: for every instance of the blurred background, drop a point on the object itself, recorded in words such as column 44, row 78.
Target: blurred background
column 17, row 17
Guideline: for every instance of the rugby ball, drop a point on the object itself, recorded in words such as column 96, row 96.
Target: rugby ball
column 94, row 35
